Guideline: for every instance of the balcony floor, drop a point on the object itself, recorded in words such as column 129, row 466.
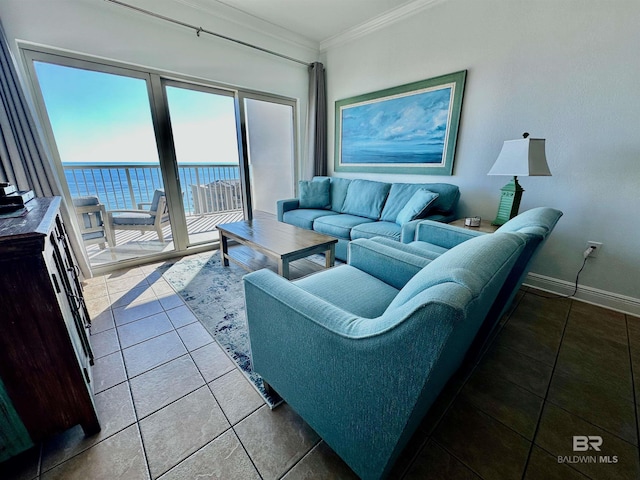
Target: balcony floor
column 131, row 244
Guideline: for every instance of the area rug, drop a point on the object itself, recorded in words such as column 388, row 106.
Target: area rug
column 215, row 294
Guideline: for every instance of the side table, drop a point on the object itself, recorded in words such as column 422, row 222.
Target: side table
column 485, row 226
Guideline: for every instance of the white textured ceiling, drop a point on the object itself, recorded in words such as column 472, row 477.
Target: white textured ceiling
column 317, row 20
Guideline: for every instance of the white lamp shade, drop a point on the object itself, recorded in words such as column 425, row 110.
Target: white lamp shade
column 522, row 158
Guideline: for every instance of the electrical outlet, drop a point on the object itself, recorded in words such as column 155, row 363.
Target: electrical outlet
column 595, row 246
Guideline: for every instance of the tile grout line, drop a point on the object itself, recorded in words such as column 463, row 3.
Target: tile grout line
column 133, row 403
column 242, row 444
column 40, row 471
column 135, row 410
column 546, row 395
column 313, row 447
column 474, row 366
column 208, row 385
column 137, row 418
column 488, row 414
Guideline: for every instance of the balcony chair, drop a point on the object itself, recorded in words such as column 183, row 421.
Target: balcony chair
column 360, row 353
column 153, row 219
column 91, row 220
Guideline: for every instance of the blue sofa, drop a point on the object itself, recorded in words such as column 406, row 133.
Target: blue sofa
column 434, row 238
column 360, row 352
column 350, row 209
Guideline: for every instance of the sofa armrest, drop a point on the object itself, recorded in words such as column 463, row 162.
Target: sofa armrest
column 393, row 266
column 442, row 234
column 286, row 205
column 408, row 232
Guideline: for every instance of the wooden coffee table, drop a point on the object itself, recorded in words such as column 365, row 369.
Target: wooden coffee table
column 279, row 241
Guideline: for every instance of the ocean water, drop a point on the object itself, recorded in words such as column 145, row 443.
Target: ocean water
column 119, row 188
column 423, row 154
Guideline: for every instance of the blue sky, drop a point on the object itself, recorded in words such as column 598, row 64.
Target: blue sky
column 99, row 117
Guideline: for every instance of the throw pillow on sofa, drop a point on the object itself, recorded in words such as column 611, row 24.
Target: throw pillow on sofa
column 416, row 206
column 315, row 194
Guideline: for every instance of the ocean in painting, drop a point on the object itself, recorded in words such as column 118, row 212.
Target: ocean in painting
column 431, row 154
column 406, row 129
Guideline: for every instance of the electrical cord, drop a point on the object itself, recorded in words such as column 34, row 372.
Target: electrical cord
column 575, row 288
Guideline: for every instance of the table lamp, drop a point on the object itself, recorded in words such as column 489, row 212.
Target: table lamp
column 524, row 157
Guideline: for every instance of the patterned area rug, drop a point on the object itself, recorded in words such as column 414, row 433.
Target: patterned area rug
column 215, row 294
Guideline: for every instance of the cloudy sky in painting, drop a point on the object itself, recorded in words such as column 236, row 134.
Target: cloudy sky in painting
column 407, row 122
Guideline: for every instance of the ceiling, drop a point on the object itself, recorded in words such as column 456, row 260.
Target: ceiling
column 317, row 20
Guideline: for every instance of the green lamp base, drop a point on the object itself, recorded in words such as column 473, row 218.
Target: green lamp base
column 509, row 202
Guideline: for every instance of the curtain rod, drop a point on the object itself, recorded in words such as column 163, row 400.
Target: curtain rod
column 202, row 30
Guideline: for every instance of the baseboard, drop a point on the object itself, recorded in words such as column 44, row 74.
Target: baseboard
column 594, row 296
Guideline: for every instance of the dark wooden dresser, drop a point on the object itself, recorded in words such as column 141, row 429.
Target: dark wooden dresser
column 45, row 356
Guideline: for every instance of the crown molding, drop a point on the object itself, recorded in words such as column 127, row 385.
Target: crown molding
column 377, row 23
column 254, row 24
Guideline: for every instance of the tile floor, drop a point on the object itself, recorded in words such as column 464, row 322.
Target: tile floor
column 173, row 406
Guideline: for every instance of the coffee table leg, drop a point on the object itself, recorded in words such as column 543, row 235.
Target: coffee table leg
column 283, row 268
column 330, row 256
column 224, row 250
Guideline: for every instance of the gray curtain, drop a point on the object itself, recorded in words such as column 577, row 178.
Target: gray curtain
column 23, row 159
column 317, row 121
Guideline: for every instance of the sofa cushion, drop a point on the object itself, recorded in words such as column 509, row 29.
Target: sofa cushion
column 304, row 217
column 447, row 201
column 377, row 229
column 336, row 286
column 339, row 187
column 401, row 193
column 338, row 225
column 417, row 206
column 315, row 194
column 366, row 198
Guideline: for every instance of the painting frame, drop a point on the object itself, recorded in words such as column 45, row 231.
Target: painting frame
column 421, row 151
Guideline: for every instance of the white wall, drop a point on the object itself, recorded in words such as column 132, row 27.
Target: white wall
column 101, row 29
column 566, row 71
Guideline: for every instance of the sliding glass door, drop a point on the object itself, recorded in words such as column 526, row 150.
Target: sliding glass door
column 153, row 164
column 203, row 128
column 104, row 135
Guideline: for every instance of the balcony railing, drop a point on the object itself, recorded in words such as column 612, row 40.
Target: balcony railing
column 206, row 188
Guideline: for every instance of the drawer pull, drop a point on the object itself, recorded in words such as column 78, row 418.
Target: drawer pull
column 55, row 282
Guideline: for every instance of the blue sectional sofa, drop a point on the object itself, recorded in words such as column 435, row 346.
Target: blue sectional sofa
column 434, row 238
column 362, row 350
column 351, row 209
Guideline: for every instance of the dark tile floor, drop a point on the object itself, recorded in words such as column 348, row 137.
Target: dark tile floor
column 173, row 406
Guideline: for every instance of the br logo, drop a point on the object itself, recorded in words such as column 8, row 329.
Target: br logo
column 583, row 443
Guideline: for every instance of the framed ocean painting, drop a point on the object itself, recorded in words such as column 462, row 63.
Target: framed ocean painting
column 407, row 129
